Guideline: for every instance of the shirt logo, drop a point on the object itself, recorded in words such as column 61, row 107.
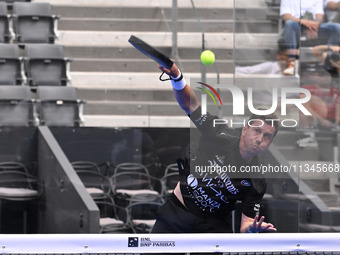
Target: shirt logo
column 201, row 119
column 245, row 183
column 192, row 181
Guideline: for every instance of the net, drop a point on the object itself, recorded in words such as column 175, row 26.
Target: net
column 265, row 243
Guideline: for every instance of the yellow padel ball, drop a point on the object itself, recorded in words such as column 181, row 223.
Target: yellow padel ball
column 207, row 57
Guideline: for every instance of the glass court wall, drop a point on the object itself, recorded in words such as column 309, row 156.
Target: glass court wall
column 130, row 116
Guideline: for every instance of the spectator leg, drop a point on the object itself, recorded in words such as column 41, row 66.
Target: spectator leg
column 291, row 35
column 331, row 32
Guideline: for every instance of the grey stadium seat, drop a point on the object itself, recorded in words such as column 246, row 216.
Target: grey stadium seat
column 10, row 65
column 16, row 106
column 46, row 65
column 4, row 24
column 34, row 23
column 59, row 106
column 11, row 2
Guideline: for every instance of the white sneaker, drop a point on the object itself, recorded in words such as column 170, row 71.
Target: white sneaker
column 307, row 142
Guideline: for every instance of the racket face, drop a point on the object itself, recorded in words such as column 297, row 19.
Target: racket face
column 150, row 52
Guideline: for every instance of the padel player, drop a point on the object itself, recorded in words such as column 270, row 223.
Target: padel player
column 203, row 203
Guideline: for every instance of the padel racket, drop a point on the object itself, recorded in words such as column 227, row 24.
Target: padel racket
column 151, row 52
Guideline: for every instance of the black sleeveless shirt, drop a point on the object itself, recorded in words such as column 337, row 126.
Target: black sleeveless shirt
column 211, row 181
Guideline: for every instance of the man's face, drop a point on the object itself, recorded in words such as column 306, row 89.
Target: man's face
column 256, row 138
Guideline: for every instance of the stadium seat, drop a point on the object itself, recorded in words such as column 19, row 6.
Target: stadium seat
column 46, row 65
column 19, row 192
column 131, row 167
column 13, row 166
column 132, row 178
column 11, row 2
column 128, row 185
column 4, row 24
column 101, row 168
column 59, row 106
column 96, row 184
column 16, row 183
column 141, row 215
column 109, row 221
column 131, row 183
column 34, row 23
column 16, row 106
column 10, row 65
column 169, row 179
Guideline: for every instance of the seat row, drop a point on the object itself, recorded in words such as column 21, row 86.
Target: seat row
column 50, row 106
column 28, row 23
column 39, row 65
column 19, row 191
column 11, row 2
column 129, row 195
column 127, row 176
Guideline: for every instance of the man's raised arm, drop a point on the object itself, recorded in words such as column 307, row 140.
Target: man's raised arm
column 185, row 97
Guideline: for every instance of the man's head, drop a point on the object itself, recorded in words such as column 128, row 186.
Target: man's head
column 332, row 62
column 257, row 136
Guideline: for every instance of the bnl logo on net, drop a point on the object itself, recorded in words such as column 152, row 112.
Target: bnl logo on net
column 239, row 104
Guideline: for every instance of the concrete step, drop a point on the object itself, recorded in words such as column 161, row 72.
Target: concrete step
column 153, row 108
column 136, row 121
column 112, row 52
column 242, row 56
column 185, row 40
column 139, row 65
column 286, row 138
column 130, row 80
column 318, row 175
column 315, row 170
column 294, row 153
column 209, row 26
column 163, row 13
column 326, row 145
column 156, row 108
column 138, row 94
column 156, row 3
column 96, row 94
column 335, row 209
column 151, row 80
column 330, row 199
column 321, row 185
column 159, row 12
column 143, row 93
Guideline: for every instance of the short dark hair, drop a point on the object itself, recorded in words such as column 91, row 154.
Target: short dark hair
column 266, row 119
